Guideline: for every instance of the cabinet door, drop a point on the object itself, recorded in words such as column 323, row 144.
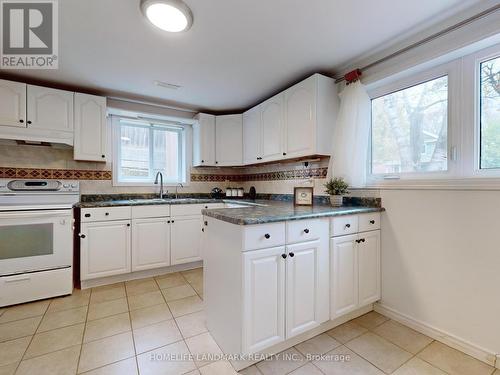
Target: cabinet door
column 272, row 128
column 229, row 140
column 105, row 249
column 185, row 243
column 263, row 299
column 150, row 243
column 307, row 300
column 300, row 117
column 252, row 136
column 204, row 140
column 369, row 267
column 90, row 127
column 12, row 103
column 50, row 109
column 344, row 275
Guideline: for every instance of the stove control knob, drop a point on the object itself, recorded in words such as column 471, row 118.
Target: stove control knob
column 65, row 186
column 73, row 186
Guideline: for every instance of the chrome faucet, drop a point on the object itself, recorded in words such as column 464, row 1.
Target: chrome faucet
column 159, row 174
column 179, row 185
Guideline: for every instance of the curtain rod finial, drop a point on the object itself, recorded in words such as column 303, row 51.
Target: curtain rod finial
column 353, row 76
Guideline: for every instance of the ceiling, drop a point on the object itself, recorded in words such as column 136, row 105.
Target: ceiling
column 237, row 53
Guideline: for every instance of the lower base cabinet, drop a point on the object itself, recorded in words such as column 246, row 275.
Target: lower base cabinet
column 150, row 243
column 185, row 239
column 105, row 249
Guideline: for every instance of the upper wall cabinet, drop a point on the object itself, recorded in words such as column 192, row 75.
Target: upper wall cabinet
column 90, row 127
column 204, row 140
column 50, row 109
column 252, row 131
column 229, row 140
column 12, row 103
column 273, row 122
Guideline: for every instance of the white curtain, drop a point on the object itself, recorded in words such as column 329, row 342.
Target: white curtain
column 351, row 135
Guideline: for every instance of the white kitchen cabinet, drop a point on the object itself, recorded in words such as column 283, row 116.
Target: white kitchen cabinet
column 104, row 249
column 229, row 140
column 90, row 127
column 204, row 140
column 369, row 267
column 307, row 292
column 263, row 298
column 252, row 129
column 150, row 243
column 50, row 109
column 12, row 103
column 185, row 239
column 344, row 271
column 272, row 128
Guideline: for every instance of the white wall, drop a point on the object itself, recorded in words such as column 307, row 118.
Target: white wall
column 441, row 261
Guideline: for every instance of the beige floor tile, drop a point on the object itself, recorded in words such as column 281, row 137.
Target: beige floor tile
column 79, row 298
column 13, row 351
column 64, row 318
column 140, row 286
column 416, row 366
column 185, row 306
column 106, row 351
column 405, row 337
column 125, row 367
column 150, row 315
column 19, row 328
column 9, row 369
column 170, row 280
column 194, row 274
column 252, row 370
column 155, row 336
column 382, row 353
column 54, row 340
column 371, row 320
column 307, row 369
column 107, row 293
column 282, row 363
column 452, row 361
column 192, row 324
column 346, row 332
column 2, row 310
column 109, row 326
column 140, row 301
column 108, row 308
column 318, row 345
column 194, row 372
column 497, row 372
column 203, row 348
column 26, row 310
column 218, row 368
column 197, row 286
column 178, row 292
column 342, row 361
column 61, row 362
column 172, row 359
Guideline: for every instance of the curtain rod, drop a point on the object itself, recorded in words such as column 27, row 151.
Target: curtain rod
column 428, row 39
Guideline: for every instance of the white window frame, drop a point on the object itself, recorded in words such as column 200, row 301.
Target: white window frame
column 397, row 83
column 186, row 148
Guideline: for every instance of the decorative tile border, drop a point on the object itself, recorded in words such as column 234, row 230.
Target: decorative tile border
column 54, row 174
column 294, row 174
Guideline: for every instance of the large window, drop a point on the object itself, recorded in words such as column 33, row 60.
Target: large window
column 489, row 113
column 143, row 149
column 409, row 129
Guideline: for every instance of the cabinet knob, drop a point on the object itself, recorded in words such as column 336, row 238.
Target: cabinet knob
column 173, row 221
column 206, row 222
column 87, row 215
column 358, row 241
column 21, row 121
column 107, row 214
column 348, row 225
column 362, row 240
column 216, row 162
column 283, row 256
column 203, row 229
column 267, row 235
column 81, row 235
column 306, row 230
column 128, row 224
column 372, row 221
column 28, row 122
column 103, row 156
column 284, row 154
column 291, row 255
column 203, row 161
column 168, row 221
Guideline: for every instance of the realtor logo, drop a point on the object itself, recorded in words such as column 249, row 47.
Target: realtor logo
column 29, row 37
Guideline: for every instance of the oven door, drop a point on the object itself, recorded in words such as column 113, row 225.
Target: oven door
column 35, row 240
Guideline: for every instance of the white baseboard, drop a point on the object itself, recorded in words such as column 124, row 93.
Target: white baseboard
column 464, row 346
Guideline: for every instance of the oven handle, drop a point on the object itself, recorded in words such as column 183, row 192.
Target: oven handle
column 34, row 214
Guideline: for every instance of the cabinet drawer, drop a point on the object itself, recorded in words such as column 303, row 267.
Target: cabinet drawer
column 144, row 212
column 305, row 230
column 263, row 235
column 343, row 225
column 369, row 222
column 186, row 209
column 105, row 214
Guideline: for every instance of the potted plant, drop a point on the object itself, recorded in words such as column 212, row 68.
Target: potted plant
column 336, row 188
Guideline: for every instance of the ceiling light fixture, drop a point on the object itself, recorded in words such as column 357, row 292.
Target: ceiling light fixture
column 169, row 15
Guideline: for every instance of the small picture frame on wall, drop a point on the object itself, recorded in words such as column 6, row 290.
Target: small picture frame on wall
column 303, row 196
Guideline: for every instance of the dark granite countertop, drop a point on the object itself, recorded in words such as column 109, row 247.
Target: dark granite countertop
column 274, row 211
